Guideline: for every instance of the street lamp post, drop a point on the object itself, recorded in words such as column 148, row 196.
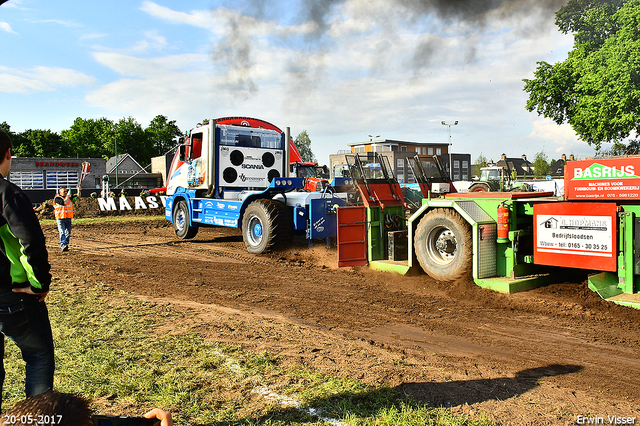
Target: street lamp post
column 373, row 139
column 115, row 140
column 455, row 123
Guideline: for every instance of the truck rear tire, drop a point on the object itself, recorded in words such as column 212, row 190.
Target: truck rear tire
column 479, row 187
column 182, row 223
column 444, row 246
column 266, row 225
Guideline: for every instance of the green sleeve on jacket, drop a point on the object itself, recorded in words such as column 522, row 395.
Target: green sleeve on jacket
column 21, row 270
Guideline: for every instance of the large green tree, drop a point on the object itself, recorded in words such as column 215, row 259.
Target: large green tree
column 481, row 161
column 162, row 132
column 132, row 140
column 39, row 143
column 597, row 88
column 303, row 143
column 540, row 165
column 90, row 137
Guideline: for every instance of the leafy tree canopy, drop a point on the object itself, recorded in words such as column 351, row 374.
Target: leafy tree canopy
column 481, row 160
column 540, row 165
column 162, row 132
column 597, row 88
column 303, row 143
column 39, row 143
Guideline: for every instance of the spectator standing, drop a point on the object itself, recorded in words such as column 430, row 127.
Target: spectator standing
column 24, row 282
column 64, row 213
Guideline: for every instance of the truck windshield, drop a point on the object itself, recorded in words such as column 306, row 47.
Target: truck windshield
column 249, row 137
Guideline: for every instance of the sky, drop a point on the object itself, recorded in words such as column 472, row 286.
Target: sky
column 343, row 70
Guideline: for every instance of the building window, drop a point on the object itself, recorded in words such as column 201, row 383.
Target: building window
column 424, row 151
column 400, row 169
column 456, row 164
column 430, row 151
column 56, row 179
column 403, row 149
column 27, row 180
column 438, row 151
column 465, row 164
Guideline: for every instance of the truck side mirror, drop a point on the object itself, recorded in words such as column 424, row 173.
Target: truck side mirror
column 183, row 152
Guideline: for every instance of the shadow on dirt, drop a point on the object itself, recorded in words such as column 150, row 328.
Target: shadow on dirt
column 450, row 394
column 421, row 398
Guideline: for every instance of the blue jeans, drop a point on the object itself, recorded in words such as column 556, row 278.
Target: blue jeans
column 64, row 228
column 25, row 321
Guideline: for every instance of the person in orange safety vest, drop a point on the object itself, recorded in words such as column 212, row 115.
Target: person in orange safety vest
column 64, row 213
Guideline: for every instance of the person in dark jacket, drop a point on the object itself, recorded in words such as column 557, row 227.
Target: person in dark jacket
column 24, row 282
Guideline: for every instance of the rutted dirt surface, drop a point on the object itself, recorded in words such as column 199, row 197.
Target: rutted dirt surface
column 541, row 357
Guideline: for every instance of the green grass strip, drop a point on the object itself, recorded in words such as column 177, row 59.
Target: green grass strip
column 114, row 349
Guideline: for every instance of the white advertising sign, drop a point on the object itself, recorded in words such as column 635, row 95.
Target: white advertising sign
column 577, row 235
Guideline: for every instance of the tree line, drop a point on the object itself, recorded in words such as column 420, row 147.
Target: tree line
column 97, row 138
column 541, row 165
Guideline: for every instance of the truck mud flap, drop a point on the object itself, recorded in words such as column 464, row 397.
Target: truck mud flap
column 352, row 236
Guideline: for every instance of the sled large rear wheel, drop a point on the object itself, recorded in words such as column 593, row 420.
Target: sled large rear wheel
column 443, row 243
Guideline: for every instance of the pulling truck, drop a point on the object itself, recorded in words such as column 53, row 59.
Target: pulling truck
column 507, row 241
column 236, row 176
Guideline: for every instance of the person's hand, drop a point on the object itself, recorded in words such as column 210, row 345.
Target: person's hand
column 28, row 290
column 163, row 416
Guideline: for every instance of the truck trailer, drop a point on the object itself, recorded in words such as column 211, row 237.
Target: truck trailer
column 505, row 241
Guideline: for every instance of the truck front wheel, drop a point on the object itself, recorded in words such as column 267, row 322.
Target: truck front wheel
column 443, row 245
column 182, row 223
column 266, row 225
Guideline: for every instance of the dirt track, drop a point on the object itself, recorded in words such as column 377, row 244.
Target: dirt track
column 540, row 357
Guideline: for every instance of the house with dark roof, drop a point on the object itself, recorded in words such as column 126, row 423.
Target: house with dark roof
column 556, row 169
column 126, row 172
column 522, row 166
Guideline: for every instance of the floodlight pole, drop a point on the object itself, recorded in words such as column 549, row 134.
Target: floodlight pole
column 455, row 123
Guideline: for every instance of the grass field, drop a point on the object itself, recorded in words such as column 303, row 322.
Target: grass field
column 114, row 349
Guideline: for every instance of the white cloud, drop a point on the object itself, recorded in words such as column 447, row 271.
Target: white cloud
column 130, row 66
column 197, row 18
column 558, row 139
column 64, row 23
column 359, row 77
column 41, row 79
column 7, row 28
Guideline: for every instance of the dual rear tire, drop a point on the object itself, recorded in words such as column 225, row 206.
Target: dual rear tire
column 266, row 225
